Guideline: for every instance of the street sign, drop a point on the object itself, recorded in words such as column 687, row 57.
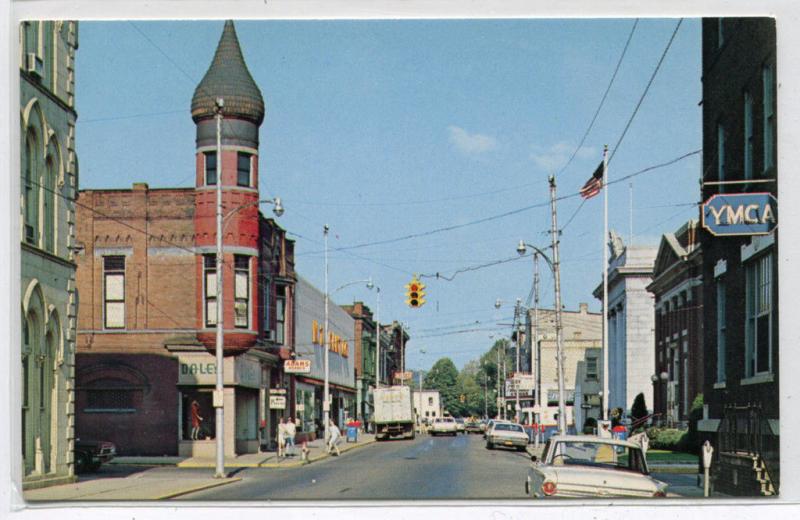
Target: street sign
column 732, row 214
column 277, row 402
column 277, row 391
column 402, row 376
column 297, row 366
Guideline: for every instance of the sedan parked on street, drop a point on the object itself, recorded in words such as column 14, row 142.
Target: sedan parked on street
column 506, row 434
column 581, row 466
column 443, row 426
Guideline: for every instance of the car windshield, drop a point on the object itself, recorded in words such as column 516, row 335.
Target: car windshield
column 598, row 454
column 508, row 427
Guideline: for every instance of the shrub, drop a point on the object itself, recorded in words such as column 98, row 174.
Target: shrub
column 666, row 438
column 691, row 442
column 639, row 408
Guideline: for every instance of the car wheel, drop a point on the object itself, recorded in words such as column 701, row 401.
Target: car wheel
column 94, row 466
column 489, row 446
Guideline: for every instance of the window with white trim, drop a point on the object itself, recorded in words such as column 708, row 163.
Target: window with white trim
column 241, row 303
column 210, row 289
column 758, row 325
column 768, row 82
column 748, row 135
column 280, row 314
column 721, row 349
column 114, row 292
column 243, row 169
column 31, row 190
column 211, row 168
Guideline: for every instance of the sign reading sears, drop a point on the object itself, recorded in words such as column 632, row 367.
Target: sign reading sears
column 740, row 214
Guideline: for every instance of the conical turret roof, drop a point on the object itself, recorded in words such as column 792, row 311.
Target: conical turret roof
column 228, row 78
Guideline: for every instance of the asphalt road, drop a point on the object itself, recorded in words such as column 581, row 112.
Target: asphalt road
column 425, row 468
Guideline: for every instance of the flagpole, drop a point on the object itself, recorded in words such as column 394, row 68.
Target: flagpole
column 605, row 399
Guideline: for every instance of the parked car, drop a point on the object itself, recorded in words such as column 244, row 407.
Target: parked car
column 510, row 435
column 443, row 426
column 460, row 428
column 90, row 454
column 489, row 425
column 590, row 466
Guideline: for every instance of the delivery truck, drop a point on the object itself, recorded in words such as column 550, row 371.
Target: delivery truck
column 394, row 412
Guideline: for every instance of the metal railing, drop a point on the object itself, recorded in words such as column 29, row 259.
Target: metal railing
column 745, row 431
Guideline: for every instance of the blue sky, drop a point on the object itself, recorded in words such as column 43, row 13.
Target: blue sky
column 383, row 129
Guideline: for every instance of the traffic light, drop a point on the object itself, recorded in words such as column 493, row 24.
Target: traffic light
column 415, row 293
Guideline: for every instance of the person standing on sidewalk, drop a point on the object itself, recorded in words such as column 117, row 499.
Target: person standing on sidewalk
column 196, row 419
column 282, row 438
column 335, row 437
column 291, row 431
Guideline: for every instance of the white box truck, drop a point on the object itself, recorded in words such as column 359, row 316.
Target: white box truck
column 394, row 412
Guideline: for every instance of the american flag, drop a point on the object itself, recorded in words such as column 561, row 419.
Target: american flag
column 594, row 184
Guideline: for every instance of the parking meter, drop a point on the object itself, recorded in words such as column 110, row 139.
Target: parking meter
column 708, row 451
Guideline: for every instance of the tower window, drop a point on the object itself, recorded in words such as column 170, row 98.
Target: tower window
column 211, row 168
column 210, row 296
column 243, row 169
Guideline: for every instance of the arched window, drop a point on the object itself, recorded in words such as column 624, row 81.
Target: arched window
column 49, row 194
column 26, row 341
column 31, row 189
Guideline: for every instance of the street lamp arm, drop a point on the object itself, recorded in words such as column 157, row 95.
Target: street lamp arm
column 523, row 245
column 368, row 281
column 278, row 209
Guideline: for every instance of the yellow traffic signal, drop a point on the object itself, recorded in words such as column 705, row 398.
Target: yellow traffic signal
column 415, row 293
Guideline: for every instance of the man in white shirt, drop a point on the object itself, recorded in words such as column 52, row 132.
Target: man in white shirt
column 335, row 437
column 291, row 432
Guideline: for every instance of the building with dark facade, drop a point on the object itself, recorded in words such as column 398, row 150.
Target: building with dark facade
column 48, row 300
column 148, row 284
column 740, row 272
column 364, row 346
column 677, row 287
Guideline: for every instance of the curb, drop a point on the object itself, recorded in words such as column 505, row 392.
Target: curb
column 202, row 487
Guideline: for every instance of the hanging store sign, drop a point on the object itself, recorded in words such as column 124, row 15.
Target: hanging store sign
column 740, row 214
column 402, row 376
column 277, row 402
column 297, row 366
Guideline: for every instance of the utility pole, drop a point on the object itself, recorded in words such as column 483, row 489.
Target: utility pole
column 562, row 419
column 505, row 413
column 378, row 340
column 535, row 337
column 497, row 372
column 517, row 316
column 605, row 400
column 219, row 389
column 326, row 403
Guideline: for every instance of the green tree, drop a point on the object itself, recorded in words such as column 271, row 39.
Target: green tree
column 443, row 376
column 639, row 408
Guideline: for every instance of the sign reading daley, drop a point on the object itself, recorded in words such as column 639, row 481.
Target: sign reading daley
column 740, row 214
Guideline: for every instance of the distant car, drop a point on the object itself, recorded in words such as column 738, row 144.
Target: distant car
column 460, row 427
column 473, row 426
column 506, row 434
column 581, row 466
column 443, row 426
column 90, row 454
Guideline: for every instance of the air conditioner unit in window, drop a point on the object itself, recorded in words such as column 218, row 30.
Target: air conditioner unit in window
column 34, row 64
column 270, row 335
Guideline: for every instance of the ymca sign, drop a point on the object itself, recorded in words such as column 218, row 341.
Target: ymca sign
column 740, row 214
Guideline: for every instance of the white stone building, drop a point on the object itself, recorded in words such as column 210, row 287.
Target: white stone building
column 631, row 323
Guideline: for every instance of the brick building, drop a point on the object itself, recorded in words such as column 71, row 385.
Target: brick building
column 741, row 385
column 364, row 346
column 147, row 279
column 678, row 291
column 48, row 301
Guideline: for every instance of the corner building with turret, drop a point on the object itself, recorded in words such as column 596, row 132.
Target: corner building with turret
column 147, row 276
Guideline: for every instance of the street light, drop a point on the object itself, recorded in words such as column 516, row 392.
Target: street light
column 521, row 250
column 219, row 387
column 326, row 404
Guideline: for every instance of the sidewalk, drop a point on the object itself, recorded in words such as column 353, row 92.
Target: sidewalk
column 157, row 484
column 270, row 459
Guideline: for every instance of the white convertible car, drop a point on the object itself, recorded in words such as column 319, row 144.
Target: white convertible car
column 583, row 466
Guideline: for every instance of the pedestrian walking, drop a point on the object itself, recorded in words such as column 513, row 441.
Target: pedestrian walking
column 335, row 437
column 282, row 438
column 196, row 419
column 291, row 432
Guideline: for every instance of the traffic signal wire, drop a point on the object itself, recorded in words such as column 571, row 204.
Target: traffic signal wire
column 440, row 276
